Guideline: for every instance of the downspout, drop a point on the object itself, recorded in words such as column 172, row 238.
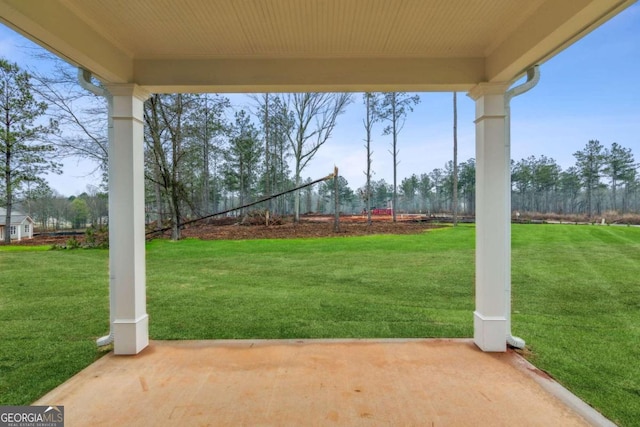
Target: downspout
column 533, row 77
column 84, row 78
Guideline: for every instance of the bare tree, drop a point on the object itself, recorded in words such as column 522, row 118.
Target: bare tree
column 81, row 115
column 314, row 118
column 394, row 109
column 164, row 133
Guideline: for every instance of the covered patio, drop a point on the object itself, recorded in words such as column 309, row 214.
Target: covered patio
column 317, row 383
column 162, row 46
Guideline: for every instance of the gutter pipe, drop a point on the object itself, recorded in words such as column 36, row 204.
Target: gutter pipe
column 533, row 77
column 84, row 78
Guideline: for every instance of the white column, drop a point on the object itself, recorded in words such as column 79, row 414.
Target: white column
column 493, row 216
column 126, row 220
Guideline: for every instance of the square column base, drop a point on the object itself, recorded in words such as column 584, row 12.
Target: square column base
column 490, row 332
column 131, row 336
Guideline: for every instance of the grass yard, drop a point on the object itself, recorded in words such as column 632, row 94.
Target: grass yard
column 52, row 306
column 376, row 286
column 576, row 300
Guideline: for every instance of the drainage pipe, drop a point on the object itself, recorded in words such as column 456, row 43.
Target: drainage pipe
column 84, row 78
column 533, row 77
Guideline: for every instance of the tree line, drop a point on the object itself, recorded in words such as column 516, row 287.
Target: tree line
column 601, row 179
column 539, row 185
column 53, row 211
column 202, row 156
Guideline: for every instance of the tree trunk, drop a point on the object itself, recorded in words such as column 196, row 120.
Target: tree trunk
column 7, row 222
column 267, row 169
column 296, row 203
column 336, row 193
column 175, row 217
column 280, row 206
column 455, row 160
column 158, row 195
column 368, row 126
column 395, row 161
column 9, row 190
column 242, row 189
column 309, row 197
column 175, row 173
column 614, row 184
column 205, row 168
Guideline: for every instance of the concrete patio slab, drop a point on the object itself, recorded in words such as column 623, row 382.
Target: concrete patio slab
column 399, row 382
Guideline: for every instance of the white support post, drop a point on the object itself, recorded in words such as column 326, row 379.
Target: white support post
column 493, row 216
column 126, row 220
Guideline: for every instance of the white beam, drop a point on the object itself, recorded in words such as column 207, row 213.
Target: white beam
column 126, row 220
column 62, row 32
column 493, row 217
column 233, row 75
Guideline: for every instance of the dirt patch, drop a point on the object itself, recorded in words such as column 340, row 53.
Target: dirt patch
column 43, row 240
column 308, row 227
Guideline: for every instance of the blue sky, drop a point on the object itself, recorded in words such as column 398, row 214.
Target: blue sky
column 589, row 91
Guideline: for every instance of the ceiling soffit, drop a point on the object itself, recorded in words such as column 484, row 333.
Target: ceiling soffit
column 257, row 45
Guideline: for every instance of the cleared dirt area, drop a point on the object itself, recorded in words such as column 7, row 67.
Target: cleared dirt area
column 284, row 228
column 309, row 226
column 253, row 227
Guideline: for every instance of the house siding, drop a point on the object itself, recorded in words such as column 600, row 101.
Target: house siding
column 23, row 229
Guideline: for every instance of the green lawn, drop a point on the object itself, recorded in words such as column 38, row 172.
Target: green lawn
column 576, row 300
column 577, row 304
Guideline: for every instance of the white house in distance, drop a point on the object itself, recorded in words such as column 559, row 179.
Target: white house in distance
column 21, row 226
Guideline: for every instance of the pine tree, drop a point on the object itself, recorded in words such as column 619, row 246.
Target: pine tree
column 243, row 157
column 25, row 154
column 619, row 166
column 589, row 163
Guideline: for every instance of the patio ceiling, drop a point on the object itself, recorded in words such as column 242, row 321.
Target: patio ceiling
column 295, row 45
